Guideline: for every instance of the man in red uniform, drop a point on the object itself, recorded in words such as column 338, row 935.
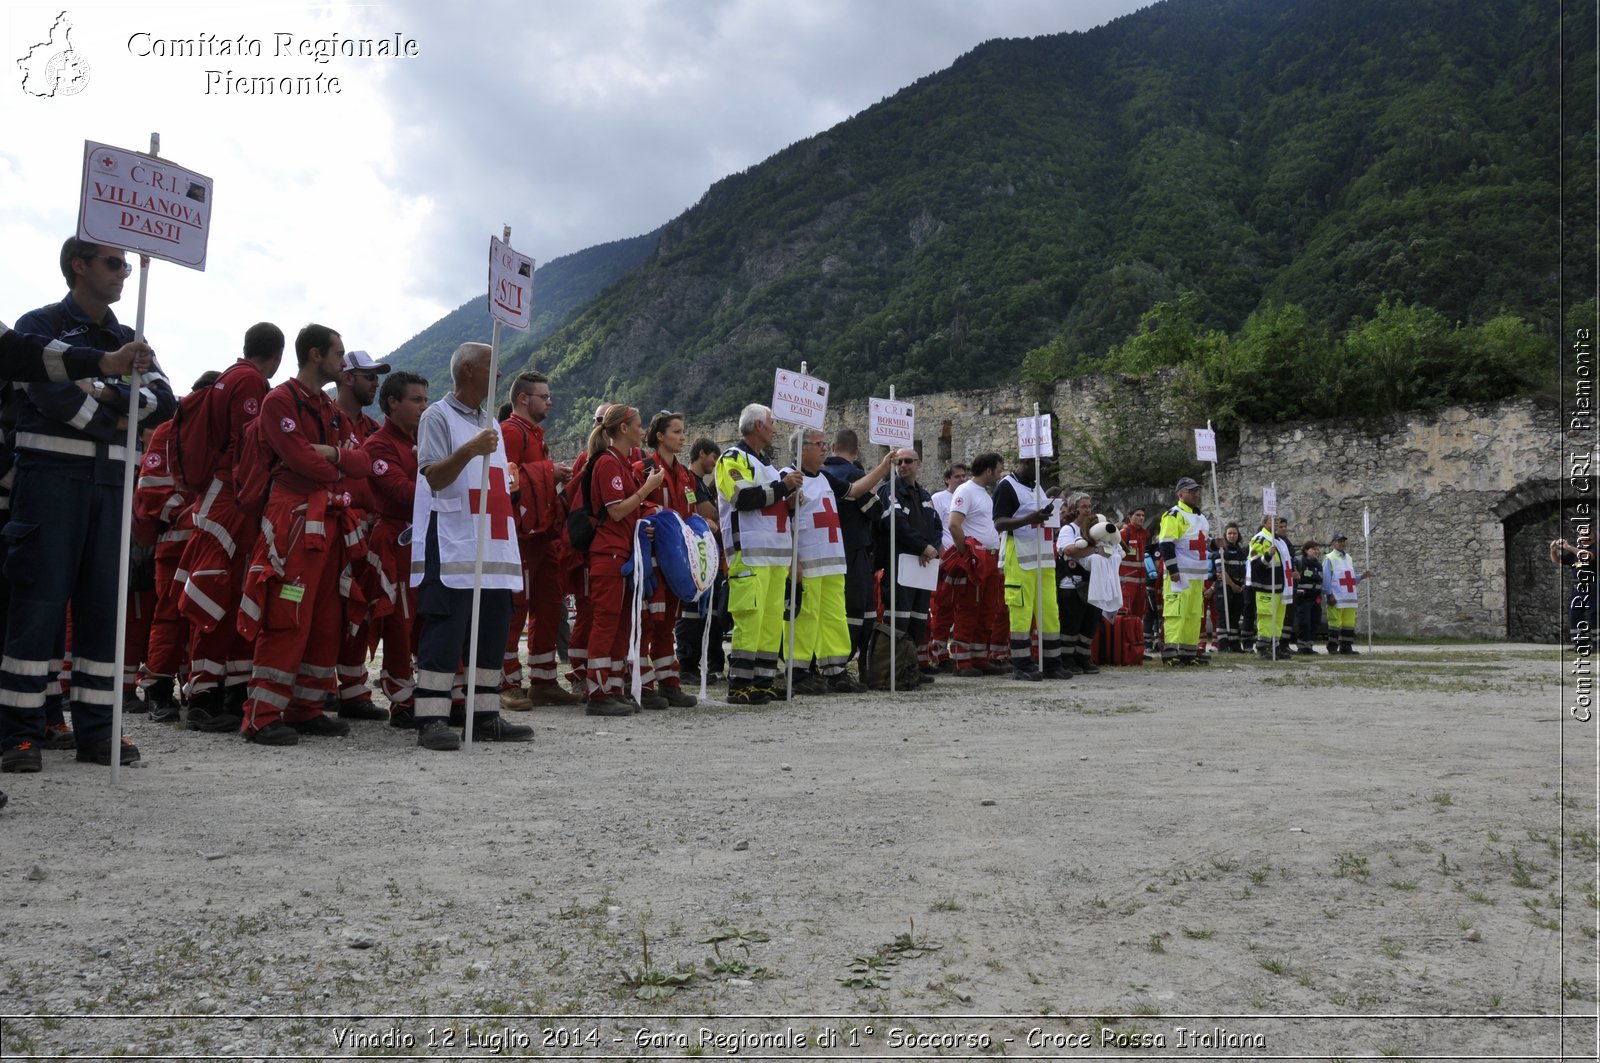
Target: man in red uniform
column 393, row 450
column 541, row 516
column 163, row 514
column 216, row 557
column 291, row 606
column 357, row 387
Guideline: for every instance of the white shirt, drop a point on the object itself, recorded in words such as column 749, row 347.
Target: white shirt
column 941, row 506
column 972, row 501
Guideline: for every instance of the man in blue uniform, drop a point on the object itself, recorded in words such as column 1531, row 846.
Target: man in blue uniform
column 65, row 529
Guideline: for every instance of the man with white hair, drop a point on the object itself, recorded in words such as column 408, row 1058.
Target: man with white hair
column 454, row 438
column 753, row 504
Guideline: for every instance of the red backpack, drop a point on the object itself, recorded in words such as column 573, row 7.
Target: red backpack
column 196, row 451
column 254, row 464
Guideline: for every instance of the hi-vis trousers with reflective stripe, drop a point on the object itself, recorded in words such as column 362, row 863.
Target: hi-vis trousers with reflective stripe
column 1180, row 617
column 1022, row 586
column 822, row 629
column 756, row 600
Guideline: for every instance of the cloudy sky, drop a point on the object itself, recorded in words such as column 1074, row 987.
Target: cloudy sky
column 370, row 209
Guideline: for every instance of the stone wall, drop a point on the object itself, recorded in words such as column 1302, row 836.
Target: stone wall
column 1447, row 490
column 1453, row 492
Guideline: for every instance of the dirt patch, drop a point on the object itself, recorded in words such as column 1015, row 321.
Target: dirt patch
column 1392, row 855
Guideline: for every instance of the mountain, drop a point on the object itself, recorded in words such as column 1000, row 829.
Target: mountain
column 1243, row 154
column 560, row 286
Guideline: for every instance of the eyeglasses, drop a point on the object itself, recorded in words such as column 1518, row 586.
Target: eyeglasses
column 814, row 443
column 118, row 265
column 905, row 461
column 535, row 395
column 369, row 375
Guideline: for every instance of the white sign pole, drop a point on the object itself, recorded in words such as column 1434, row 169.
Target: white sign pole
column 1222, row 568
column 1366, row 539
column 794, row 569
column 1271, row 500
column 482, row 530
column 893, row 569
column 125, row 540
column 1038, row 543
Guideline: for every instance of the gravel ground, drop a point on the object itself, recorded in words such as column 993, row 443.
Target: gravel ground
column 1392, row 855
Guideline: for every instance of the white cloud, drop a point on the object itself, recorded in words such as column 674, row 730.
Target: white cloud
column 370, row 210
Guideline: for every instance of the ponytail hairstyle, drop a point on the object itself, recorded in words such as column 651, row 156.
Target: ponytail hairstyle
column 615, row 416
column 658, row 427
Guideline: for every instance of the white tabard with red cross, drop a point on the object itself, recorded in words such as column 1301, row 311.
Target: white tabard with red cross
column 454, row 513
column 821, row 540
column 1339, row 578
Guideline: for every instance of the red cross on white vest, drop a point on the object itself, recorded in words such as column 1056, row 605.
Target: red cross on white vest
column 499, row 504
column 827, row 518
column 1348, row 581
column 780, row 510
column 1198, row 545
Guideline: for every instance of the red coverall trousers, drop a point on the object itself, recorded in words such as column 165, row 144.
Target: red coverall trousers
column 538, row 606
column 216, row 560
column 292, row 593
column 981, row 632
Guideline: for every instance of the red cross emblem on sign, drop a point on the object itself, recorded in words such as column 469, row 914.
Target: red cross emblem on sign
column 828, row 518
column 1198, row 545
column 499, row 504
column 1348, row 581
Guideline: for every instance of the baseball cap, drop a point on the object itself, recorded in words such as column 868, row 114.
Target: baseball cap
column 1337, row 536
column 1186, row 484
column 361, row 362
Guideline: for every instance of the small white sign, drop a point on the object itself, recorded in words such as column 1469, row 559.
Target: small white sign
column 912, row 573
column 891, row 422
column 1269, row 501
column 799, row 399
column 1205, row 444
column 510, row 285
column 144, row 203
column 1366, row 523
column 1031, row 446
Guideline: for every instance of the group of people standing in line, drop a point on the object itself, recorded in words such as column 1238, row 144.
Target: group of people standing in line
column 288, row 535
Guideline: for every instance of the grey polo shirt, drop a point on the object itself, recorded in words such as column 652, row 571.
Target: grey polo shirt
column 433, row 433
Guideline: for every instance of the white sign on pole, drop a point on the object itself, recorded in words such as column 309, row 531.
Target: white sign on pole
column 1205, row 444
column 799, row 399
column 1269, row 501
column 891, row 422
column 144, row 204
column 1366, row 523
column 510, row 284
column 1030, row 447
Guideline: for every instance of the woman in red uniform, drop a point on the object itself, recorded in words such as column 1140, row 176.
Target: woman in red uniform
column 658, row 658
column 618, row 491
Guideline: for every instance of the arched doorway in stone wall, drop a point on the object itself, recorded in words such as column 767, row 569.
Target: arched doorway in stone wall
column 1532, row 517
